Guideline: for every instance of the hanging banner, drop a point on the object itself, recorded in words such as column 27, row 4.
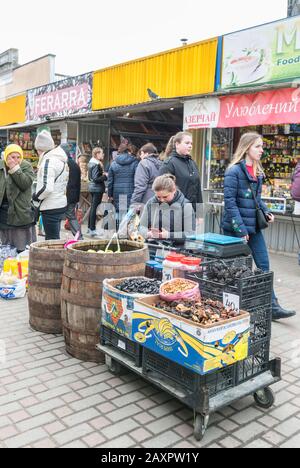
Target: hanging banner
column 266, row 54
column 266, row 108
column 60, row 99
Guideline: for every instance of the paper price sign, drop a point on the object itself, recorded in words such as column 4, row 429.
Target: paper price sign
column 231, row 300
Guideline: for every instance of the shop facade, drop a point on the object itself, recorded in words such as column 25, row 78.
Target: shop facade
column 259, row 90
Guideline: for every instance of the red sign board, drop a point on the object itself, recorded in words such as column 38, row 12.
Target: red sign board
column 264, row 108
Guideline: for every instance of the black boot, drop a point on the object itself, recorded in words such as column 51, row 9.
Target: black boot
column 278, row 313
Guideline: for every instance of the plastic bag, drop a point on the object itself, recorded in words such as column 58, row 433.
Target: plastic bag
column 192, row 293
column 17, row 290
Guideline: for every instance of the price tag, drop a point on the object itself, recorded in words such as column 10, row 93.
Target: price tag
column 231, row 300
column 168, row 274
column 122, row 345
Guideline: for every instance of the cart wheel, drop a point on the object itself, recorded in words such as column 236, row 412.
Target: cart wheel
column 113, row 366
column 264, row 398
column 200, row 426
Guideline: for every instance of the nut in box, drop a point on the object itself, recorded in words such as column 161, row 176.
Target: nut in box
column 118, row 300
column 202, row 349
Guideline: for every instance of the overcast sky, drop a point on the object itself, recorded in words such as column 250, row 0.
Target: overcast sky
column 86, row 35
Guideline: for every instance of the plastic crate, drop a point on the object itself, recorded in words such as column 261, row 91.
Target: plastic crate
column 261, row 325
column 215, row 382
column 130, row 348
column 254, row 292
column 257, row 363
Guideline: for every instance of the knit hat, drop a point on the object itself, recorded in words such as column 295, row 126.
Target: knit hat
column 13, row 149
column 44, row 141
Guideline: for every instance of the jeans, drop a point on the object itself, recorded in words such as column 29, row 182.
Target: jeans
column 52, row 221
column 258, row 247
column 96, row 201
column 73, row 222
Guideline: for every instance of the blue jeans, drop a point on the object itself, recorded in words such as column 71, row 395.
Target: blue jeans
column 258, row 247
column 52, row 222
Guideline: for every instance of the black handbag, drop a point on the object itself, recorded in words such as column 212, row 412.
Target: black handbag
column 261, row 217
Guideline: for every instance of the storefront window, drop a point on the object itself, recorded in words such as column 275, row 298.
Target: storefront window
column 221, row 155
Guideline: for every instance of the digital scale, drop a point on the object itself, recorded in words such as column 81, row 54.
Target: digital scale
column 218, row 246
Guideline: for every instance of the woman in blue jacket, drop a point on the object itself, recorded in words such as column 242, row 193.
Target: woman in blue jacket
column 240, row 218
column 121, row 179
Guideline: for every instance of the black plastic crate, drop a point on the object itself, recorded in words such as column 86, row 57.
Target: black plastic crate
column 254, row 292
column 215, row 382
column 128, row 347
column 261, row 325
column 257, row 363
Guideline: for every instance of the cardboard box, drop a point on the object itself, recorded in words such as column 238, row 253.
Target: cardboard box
column 117, row 307
column 202, row 349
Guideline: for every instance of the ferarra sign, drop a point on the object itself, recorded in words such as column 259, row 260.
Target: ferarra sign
column 266, row 54
column 265, row 108
column 61, row 99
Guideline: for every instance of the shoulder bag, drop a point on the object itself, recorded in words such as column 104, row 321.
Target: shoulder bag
column 261, row 217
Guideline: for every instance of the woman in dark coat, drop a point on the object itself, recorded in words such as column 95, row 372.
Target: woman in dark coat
column 97, row 179
column 180, row 163
column 121, row 179
column 240, row 217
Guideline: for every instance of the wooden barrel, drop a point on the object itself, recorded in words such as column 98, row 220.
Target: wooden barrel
column 81, row 292
column 46, row 262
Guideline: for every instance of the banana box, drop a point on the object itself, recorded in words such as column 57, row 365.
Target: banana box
column 202, row 349
column 117, row 307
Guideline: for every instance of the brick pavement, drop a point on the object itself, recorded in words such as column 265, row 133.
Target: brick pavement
column 49, row 399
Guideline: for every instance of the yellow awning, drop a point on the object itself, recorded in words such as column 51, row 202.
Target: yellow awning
column 13, row 110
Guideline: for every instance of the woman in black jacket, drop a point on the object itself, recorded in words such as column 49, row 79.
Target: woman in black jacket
column 97, row 179
column 180, row 163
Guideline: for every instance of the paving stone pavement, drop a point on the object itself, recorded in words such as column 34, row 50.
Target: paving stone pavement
column 49, row 399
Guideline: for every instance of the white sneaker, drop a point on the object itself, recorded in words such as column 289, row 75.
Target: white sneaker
column 91, row 233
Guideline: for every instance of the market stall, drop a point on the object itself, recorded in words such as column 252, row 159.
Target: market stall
column 203, row 335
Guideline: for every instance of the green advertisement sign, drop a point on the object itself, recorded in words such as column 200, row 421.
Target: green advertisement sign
column 267, row 54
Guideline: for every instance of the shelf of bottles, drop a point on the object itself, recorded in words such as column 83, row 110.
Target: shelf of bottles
column 282, row 153
column 221, row 153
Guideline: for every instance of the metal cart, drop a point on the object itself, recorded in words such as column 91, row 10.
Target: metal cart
column 200, row 399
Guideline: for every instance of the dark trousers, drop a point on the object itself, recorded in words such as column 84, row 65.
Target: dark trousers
column 260, row 253
column 73, row 221
column 96, row 201
column 52, row 222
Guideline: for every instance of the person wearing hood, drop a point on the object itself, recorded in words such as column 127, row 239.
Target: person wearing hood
column 97, row 179
column 17, row 224
column 52, row 181
column 73, row 191
column 180, row 163
column 121, row 178
column 147, row 171
column 168, row 215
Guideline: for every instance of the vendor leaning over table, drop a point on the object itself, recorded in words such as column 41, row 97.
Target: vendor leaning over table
column 168, row 215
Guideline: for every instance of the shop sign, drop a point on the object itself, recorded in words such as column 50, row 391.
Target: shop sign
column 265, row 108
column 202, row 113
column 61, row 99
column 266, row 54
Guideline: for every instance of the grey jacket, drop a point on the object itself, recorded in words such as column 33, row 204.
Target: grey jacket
column 146, row 173
column 177, row 217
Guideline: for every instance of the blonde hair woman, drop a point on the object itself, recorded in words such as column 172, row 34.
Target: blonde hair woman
column 168, row 215
column 242, row 192
column 179, row 162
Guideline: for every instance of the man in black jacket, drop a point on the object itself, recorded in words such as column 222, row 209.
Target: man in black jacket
column 73, row 191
